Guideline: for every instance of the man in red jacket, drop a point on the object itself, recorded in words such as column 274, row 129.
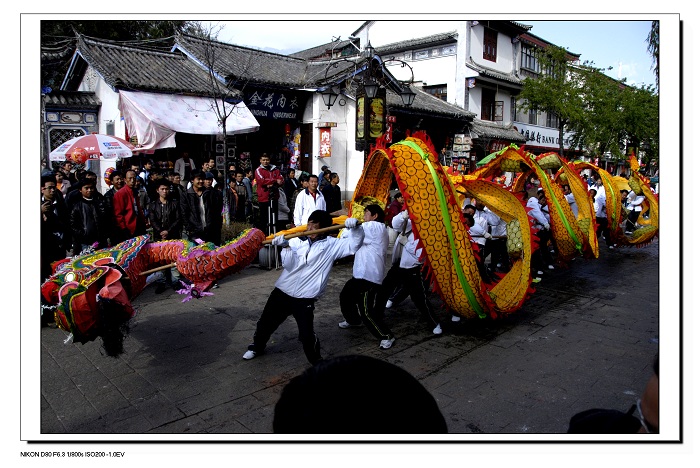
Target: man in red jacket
column 269, row 179
column 128, row 214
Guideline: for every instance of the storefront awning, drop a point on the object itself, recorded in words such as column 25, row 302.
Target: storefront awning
column 155, row 118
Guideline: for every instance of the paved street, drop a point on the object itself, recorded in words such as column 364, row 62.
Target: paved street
column 584, row 339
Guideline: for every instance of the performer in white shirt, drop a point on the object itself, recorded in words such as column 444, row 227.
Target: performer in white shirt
column 306, row 263
column 357, row 299
column 407, row 274
column 635, row 206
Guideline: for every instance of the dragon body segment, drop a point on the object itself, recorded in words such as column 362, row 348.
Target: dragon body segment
column 433, row 201
column 91, row 294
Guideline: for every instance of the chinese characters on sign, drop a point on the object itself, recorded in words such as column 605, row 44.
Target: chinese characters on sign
column 325, row 140
column 276, row 105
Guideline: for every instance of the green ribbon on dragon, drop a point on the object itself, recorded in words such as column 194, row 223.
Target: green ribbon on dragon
column 544, row 178
column 448, row 227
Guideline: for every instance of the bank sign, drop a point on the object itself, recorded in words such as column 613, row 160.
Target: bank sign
column 541, row 136
column 274, row 104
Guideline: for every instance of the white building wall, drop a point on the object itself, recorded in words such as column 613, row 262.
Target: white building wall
column 504, row 50
column 344, row 160
column 109, row 111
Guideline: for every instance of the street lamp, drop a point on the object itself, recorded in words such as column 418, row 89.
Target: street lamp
column 370, row 75
column 329, row 96
column 369, row 79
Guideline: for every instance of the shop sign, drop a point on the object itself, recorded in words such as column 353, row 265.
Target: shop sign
column 542, row 136
column 370, row 119
column 274, row 104
column 325, row 142
column 497, row 145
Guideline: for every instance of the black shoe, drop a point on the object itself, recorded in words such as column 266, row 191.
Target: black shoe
column 161, row 287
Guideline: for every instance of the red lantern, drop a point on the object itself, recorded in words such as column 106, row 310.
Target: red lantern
column 108, row 175
column 79, row 156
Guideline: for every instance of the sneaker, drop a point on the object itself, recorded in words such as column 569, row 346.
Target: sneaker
column 540, row 272
column 551, row 267
column 611, row 247
column 629, row 233
column 389, row 304
column 456, row 318
column 215, row 286
column 249, row 355
column 345, row 324
column 437, row 330
column 386, row 344
column 536, row 280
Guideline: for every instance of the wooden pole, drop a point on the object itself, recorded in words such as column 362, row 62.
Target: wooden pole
column 335, row 227
column 162, row 267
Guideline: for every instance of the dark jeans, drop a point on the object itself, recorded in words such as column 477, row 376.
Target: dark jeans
column 280, row 306
column 541, row 257
column 632, row 220
column 604, row 229
column 412, row 281
column 357, row 303
column 499, row 253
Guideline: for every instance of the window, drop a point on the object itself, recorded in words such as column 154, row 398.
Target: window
column 490, row 44
column 552, row 120
column 532, row 117
column 528, row 60
column 512, row 109
column 60, row 135
column 439, row 92
column 490, row 108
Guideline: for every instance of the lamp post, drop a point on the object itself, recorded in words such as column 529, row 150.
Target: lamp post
column 369, row 80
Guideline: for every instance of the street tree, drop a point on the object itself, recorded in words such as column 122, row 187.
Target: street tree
column 653, row 48
column 225, row 96
column 558, row 89
column 602, row 115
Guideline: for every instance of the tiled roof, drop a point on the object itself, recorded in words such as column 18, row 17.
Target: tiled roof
column 522, row 25
column 486, row 129
column 428, row 104
column 435, row 39
column 491, row 73
column 129, row 67
column 246, row 65
column 136, row 68
column 323, row 49
column 71, row 99
column 530, row 38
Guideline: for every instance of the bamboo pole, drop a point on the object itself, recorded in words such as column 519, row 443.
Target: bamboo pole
column 162, row 267
column 335, row 227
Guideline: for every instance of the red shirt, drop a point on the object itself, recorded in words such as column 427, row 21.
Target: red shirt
column 126, row 210
column 266, row 178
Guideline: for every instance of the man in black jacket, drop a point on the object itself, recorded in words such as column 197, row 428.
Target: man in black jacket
column 331, row 192
column 166, row 221
column 203, row 211
column 55, row 227
column 88, row 220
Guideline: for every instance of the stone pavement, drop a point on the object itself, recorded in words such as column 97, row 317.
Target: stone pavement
column 586, row 338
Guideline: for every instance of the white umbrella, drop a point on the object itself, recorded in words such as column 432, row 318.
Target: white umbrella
column 96, row 146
